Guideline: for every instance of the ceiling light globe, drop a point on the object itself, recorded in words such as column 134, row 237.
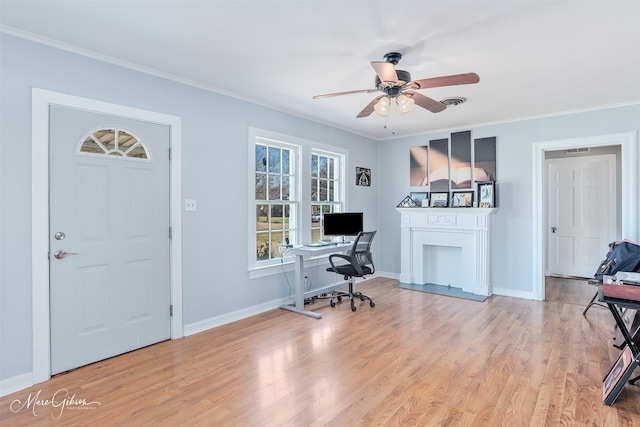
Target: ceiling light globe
column 382, row 106
column 405, row 104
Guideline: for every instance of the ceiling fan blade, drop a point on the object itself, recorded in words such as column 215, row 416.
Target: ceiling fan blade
column 328, row 95
column 426, row 102
column 452, row 80
column 366, row 111
column 386, row 72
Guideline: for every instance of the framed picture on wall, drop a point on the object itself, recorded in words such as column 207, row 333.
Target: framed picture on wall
column 462, row 199
column 439, row 200
column 363, row 177
column 487, row 194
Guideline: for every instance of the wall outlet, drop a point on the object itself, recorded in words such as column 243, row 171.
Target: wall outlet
column 189, row 205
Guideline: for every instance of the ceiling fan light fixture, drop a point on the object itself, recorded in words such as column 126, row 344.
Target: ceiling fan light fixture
column 382, row 106
column 405, row 104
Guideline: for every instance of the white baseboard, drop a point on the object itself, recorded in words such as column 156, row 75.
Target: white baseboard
column 386, row 274
column 203, row 325
column 17, row 383
column 511, row 293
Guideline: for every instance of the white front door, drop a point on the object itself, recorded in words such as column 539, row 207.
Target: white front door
column 582, row 213
column 109, row 236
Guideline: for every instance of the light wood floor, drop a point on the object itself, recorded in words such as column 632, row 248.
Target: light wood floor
column 415, row 359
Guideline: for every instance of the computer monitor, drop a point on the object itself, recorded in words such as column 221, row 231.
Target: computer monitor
column 342, row 223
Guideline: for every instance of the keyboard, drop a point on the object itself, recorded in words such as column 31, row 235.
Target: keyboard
column 318, row 244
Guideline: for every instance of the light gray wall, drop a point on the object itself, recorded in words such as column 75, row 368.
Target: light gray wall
column 513, row 229
column 214, row 152
column 215, row 131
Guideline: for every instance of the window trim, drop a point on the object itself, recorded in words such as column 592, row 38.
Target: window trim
column 302, row 148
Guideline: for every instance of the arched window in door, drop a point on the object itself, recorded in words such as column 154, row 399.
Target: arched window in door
column 114, row 142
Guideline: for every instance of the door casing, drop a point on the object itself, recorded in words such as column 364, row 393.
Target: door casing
column 40, row 101
column 629, row 203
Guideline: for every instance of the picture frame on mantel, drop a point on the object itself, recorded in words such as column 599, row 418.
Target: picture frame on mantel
column 486, row 194
column 462, row 199
column 421, row 198
column 439, row 200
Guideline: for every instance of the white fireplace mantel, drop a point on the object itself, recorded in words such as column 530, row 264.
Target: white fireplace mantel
column 434, row 239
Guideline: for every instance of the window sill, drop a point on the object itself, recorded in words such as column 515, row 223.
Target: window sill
column 287, row 266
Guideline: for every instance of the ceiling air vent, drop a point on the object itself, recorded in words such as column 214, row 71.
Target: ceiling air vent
column 453, row 101
column 577, row 150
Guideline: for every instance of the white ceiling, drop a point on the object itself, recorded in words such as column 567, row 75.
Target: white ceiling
column 534, row 58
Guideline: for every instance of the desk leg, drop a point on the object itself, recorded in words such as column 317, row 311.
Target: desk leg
column 298, row 307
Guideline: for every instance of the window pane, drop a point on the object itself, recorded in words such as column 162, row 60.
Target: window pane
column 262, row 212
column 274, row 160
column 331, row 192
column 287, row 217
column 314, row 165
column 107, row 137
column 276, row 217
column 261, row 158
column 331, row 168
column 286, row 187
column 277, row 240
column 274, row 187
column 323, row 167
column 323, row 190
column 261, row 186
column 314, row 189
column 262, row 246
column 286, row 162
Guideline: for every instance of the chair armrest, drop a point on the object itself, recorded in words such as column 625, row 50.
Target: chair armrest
column 350, row 259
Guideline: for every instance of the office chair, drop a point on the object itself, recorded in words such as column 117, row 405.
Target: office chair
column 359, row 263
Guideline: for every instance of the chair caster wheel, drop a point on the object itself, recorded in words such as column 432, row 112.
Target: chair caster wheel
column 372, row 304
column 332, row 304
column 361, row 298
column 340, row 299
column 353, row 308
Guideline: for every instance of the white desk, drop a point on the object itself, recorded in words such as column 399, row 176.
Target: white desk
column 309, row 252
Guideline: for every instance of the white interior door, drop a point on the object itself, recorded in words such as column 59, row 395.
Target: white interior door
column 109, row 212
column 582, row 213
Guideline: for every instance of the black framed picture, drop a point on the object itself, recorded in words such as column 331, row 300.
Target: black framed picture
column 617, row 376
column 363, row 176
column 487, row 194
column 421, row 198
column 439, row 200
column 462, row 199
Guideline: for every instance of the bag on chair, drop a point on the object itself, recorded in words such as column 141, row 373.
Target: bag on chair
column 623, row 255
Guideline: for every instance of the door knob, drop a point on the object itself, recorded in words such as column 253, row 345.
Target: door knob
column 553, row 229
column 60, row 254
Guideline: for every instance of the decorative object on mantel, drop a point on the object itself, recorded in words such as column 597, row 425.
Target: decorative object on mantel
column 363, row 177
column 439, row 200
column 462, row 199
column 407, row 202
column 487, row 194
column 421, row 199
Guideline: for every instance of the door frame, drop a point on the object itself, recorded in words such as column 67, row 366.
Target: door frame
column 41, row 100
column 629, row 203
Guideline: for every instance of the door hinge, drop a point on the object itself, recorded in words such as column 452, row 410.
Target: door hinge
column 169, row 153
column 171, row 310
column 170, row 232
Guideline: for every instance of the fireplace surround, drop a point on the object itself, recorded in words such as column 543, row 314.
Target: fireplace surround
column 447, row 246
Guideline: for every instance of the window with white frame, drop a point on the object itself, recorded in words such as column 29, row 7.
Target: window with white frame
column 326, row 189
column 292, row 182
column 275, row 197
